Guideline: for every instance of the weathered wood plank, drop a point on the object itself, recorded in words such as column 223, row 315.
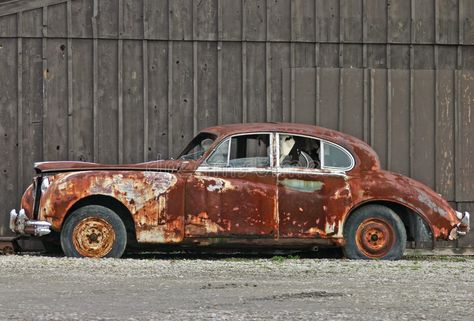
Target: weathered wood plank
column 280, row 53
column 329, row 97
column 327, row 20
column 8, row 26
column 157, row 17
column 351, row 16
column 424, row 21
column 56, row 111
column 353, row 104
column 8, row 129
column 82, row 130
column 231, row 17
column 181, row 112
column 465, row 144
column 424, row 134
column 180, row 19
column 158, row 100
column 256, row 82
column 304, row 95
column 207, row 113
column 445, row 135
column 279, row 20
column 133, row 19
column 400, row 120
column 232, row 86
column 107, row 20
column 206, row 19
column 57, row 21
column 255, row 13
column 132, row 101
column 82, row 18
column 399, row 21
column 107, row 100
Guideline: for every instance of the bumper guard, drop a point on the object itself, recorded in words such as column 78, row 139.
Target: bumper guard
column 21, row 224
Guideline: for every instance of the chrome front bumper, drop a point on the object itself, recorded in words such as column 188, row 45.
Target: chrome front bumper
column 463, row 227
column 21, row 224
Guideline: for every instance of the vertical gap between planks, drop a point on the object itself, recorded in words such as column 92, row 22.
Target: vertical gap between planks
column 436, row 89
column 219, row 63
column 219, row 82
column 268, row 81
column 268, row 114
column 244, row 65
column 145, row 82
column 388, row 53
column 45, row 74
column 341, row 64
column 220, row 115
column 366, row 116
column 457, row 145
column 95, row 60
column 460, row 35
column 292, row 66
column 195, row 70
column 170, row 85
column 19, row 114
column 70, row 106
column 120, row 81
column 318, row 96
column 411, row 88
column 372, row 106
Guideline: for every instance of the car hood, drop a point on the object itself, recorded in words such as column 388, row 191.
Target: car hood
column 70, row 166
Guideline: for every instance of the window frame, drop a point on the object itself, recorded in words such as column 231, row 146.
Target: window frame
column 322, row 142
column 205, row 166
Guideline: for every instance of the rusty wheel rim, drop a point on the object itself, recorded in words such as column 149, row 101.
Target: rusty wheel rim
column 375, row 237
column 93, row 237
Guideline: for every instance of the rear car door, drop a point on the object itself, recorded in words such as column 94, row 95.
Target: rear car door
column 312, row 187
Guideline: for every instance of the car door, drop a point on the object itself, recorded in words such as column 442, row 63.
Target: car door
column 233, row 192
column 312, row 187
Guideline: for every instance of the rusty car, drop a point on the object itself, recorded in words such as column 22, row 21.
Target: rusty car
column 259, row 185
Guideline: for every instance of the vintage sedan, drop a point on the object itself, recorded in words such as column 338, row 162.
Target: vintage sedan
column 275, row 185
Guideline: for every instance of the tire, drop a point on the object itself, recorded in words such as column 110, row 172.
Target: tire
column 93, row 231
column 374, row 232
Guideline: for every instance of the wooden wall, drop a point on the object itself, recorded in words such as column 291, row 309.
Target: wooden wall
column 133, row 80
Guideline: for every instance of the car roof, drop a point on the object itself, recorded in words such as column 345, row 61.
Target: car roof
column 294, row 128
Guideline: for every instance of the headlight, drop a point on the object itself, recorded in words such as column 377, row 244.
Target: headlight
column 44, row 184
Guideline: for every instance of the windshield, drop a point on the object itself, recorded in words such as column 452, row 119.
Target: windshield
column 198, row 146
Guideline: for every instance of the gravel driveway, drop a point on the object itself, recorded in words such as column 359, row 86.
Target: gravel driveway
column 177, row 288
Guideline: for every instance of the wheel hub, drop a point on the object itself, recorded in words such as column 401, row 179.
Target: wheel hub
column 375, row 237
column 93, row 237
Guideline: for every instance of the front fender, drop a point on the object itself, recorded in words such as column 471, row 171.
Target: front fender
column 392, row 187
column 147, row 195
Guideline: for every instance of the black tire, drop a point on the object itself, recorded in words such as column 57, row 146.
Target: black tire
column 93, row 231
column 374, row 232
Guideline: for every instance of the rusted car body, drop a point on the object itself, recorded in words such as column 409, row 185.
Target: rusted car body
column 210, row 198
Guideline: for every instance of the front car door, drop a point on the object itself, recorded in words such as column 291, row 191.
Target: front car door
column 233, row 192
column 312, row 186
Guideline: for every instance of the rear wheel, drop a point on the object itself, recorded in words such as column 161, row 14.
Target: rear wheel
column 93, row 231
column 374, row 232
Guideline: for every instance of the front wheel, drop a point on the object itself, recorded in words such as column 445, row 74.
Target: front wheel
column 374, row 232
column 93, row 231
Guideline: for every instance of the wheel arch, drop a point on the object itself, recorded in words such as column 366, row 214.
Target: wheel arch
column 417, row 227
column 111, row 203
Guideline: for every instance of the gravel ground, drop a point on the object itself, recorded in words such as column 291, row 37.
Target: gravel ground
column 234, row 288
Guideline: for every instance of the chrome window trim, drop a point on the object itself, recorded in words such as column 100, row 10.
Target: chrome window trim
column 205, row 167
column 335, row 170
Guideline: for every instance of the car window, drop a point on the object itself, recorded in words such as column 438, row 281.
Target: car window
column 245, row 151
column 336, row 157
column 198, row 146
column 299, row 152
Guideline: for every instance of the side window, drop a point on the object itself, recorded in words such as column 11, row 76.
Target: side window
column 299, row 152
column 219, row 157
column 245, row 151
column 336, row 157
